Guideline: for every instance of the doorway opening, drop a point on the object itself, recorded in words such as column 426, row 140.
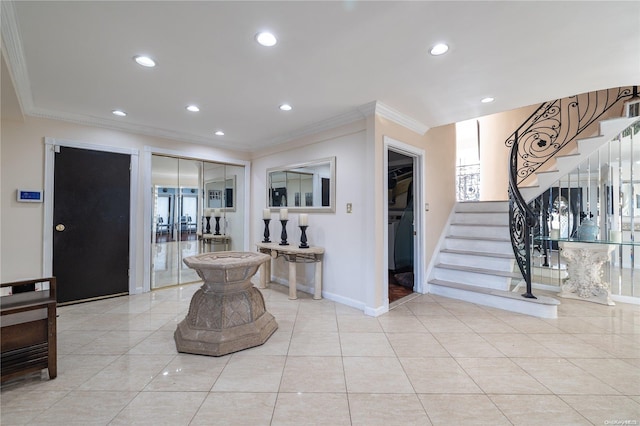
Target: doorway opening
column 401, row 225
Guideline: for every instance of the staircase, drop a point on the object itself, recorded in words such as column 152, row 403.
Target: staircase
column 572, row 155
column 476, row 262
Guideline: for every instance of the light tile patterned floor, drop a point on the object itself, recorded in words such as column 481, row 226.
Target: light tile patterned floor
column 431, row 360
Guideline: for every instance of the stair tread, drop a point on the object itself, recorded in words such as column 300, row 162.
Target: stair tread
column 478, row 253
column 478, row 224
column 492, row 239
column 544, row 300
column 479, row 270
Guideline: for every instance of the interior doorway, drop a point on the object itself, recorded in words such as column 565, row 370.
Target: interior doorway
column 404, row 236
column 89, row 213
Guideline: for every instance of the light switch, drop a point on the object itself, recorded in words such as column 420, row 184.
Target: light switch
column 426, row 207
column 349, row 207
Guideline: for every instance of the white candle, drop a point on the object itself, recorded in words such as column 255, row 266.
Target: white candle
column 207, row 212
column 304, row 219
column 266, row 213
column 615, row 236
column 284, row 214
column 216, row 213
column 554, row 234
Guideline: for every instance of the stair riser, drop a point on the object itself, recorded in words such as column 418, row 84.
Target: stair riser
column 472, row 278
column 480, row 246
column 479, row 231
column 494, row 263
column 482, row 218
column 523, row 307
column 498, row 206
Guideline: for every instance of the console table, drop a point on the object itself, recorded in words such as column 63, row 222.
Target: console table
column 584, row 265
column 215, row 239
column 292, row 254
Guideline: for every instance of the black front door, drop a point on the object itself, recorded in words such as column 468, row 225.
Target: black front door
column 91, row 223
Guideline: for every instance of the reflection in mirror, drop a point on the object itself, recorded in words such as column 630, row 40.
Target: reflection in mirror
column 221, row 193
column 305, row 187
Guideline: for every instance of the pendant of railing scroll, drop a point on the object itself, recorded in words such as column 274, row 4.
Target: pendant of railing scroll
column 549, row 129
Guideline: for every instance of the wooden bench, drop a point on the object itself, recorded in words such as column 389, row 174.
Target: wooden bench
column 28, row 328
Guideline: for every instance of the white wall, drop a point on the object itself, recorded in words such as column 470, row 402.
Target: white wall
column 22, row 166
column 341, row 234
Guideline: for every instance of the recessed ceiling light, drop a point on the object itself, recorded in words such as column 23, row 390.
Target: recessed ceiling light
column 266, row 39
column 487, row 100
column 193, row 108
column 439, row 49
column 119, row 113
column 219, row 133
column 145, row 61
column 286, row 107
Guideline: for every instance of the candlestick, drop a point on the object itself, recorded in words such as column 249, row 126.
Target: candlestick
column 266, row 231
column 217, row 225
column 283, row 234
column 284, row 214
column 303, row 237
column 266, row 213
column 207, row 216
column 303, row 220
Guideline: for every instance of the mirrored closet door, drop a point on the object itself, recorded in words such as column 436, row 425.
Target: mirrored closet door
column 198, row 206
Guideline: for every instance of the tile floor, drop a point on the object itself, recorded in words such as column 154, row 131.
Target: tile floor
column 430, row 360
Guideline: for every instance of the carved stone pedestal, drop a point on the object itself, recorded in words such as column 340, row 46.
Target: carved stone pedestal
column 227, row 314
column 584, row 265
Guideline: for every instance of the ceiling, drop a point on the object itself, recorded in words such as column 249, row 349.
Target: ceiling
column 73, row 61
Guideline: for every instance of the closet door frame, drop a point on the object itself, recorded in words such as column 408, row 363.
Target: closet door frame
column 203, row 154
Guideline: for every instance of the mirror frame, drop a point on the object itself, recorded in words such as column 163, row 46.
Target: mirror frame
column 304, row 209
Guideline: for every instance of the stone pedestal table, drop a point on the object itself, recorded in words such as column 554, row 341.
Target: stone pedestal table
column 227, row 314
column 584, row 265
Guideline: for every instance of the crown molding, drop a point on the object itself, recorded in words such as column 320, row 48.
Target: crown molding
column 87, row 120
column 399, row 118
column 320, row 126
column 12, row 46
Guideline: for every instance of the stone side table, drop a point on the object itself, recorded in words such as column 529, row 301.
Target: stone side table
column 227, row 314
column 584, row 265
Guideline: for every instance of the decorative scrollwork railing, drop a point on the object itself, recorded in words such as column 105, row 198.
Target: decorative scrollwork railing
column 548, row 130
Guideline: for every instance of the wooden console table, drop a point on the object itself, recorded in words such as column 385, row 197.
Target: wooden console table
column 28, row 329
column 292, row 254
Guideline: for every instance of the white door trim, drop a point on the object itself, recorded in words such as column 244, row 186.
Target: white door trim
column 47, row 225
column 418, row 155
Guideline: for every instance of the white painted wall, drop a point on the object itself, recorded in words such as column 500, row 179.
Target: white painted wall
column 22, row 166
column 341, row 234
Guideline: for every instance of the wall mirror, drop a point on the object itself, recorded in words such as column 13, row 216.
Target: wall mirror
column 303, row 187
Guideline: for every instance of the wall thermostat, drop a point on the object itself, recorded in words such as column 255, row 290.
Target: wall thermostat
column 29, row 196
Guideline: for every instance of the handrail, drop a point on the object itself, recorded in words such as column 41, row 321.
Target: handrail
column 538, row 139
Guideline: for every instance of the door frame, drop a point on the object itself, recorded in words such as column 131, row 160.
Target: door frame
column 149, row 151
column 418, row 155
column 47, row 226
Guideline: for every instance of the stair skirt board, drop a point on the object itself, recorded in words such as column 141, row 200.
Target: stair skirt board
column 542, row 307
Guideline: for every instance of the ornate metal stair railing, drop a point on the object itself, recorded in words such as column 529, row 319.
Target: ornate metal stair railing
column 548, row 130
